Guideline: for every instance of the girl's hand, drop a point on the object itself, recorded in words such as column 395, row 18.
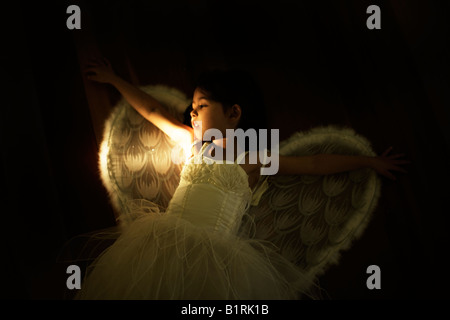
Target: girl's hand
column 100, row 70
column 384, row 164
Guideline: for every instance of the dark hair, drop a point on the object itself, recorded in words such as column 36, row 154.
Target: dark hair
column 230, row 87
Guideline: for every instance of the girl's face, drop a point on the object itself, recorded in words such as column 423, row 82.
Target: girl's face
column 211, row 114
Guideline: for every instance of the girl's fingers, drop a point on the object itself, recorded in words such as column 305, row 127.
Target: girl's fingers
column 395, row 156
column 399, row 169
column 98, row 61
column 90, row 70
column 390, row 176
column 91, row 65
column 106, row 62
column 402, row 162
column 386, row 152
column 93, row 61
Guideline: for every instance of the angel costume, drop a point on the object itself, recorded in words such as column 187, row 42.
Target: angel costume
column 200, row 232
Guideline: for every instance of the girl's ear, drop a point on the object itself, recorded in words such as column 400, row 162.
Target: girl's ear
column 235, row 112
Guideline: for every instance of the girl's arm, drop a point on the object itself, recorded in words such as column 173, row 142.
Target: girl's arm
column 101, row 71
column 323, row 164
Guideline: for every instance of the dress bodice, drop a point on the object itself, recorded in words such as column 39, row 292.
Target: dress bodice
column 211, row 193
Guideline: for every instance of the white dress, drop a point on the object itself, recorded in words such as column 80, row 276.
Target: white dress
column 194, row 250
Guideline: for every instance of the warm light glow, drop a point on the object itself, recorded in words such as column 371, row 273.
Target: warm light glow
column 103, row 157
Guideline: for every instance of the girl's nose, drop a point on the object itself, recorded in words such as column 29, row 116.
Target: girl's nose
column 193, row 113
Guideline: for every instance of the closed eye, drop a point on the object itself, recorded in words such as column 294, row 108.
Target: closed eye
column 201, row 106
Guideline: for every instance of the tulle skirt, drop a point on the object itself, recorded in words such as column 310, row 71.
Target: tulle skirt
column 165, row 257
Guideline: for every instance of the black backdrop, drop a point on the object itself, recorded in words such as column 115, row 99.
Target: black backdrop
column 317, row 64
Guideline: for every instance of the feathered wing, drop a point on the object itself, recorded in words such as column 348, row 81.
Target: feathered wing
column 311, row 219
column 136, row 170
column 136, row 157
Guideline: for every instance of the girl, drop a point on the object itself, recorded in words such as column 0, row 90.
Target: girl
column 194, row 250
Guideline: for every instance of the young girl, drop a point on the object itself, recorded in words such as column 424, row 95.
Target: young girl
column 194, row 250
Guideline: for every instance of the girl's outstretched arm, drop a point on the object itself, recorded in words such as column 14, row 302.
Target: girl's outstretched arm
column 100, row 70
column 323, row 164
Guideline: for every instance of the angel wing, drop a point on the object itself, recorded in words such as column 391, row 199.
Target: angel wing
column 311, row 219
column 135, row 156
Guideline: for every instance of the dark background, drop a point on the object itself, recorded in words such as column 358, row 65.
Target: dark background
column 317, row 64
